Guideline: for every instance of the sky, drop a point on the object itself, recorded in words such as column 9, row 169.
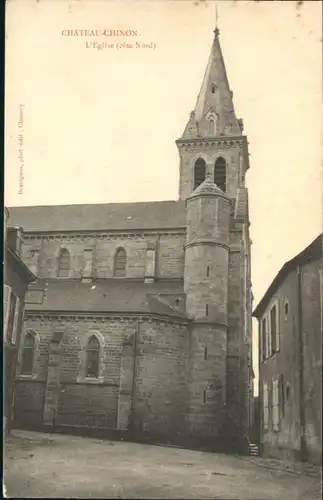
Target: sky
column 96, row 126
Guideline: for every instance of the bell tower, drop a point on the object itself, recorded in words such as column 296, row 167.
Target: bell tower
column 213, row 142
column 213, row 162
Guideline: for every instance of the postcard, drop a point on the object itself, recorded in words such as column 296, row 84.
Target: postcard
column 163, row 249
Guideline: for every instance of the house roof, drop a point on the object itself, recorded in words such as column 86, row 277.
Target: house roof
column 313, row 251
column 107, row 296
column 14, row 260
column 97, row 217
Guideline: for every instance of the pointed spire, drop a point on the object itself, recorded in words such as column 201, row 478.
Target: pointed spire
column 214, row 110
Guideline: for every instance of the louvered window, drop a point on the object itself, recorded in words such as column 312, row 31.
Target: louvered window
column 220, row 173
column 199, row 172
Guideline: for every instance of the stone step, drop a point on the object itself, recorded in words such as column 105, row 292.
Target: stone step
column 253, row 450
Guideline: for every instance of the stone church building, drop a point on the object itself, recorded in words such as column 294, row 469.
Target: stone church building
column 140, row 318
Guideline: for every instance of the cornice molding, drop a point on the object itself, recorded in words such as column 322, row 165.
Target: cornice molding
column 106, row 317
column 100, row 235
column 207, row 143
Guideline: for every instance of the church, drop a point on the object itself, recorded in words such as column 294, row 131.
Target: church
column 140, row 317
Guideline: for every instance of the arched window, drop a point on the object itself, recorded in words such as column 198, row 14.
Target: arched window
column 120, row 263
column 92, row 358
column 211, row 126
column 28, row 354
column 213, row 88
column 199, row 172
column 64, row 264
column 220, row 173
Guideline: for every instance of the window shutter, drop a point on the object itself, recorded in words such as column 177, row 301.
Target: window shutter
column 270, row 350
column 261, row 335
column 6, row 308
column 265, row 405
column 275, row 405
column 16, row 323
column 268, row 338
column 277, row 329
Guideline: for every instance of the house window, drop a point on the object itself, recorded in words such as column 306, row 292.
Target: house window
column 275, row 405
column 287, row 392
column 120, row 263
column 208, row 271
column 64, row 264
column 199, row 172
column 205, row 353
column 204, row 396
column 93, row 358
column 265, row 406
column 11, row 316
column 274, row 330
column 206, row 309
column 263, row 335
column 16, row 323
column 28, row 354
column 286, row 308
column 6, row 307
column 220, row 173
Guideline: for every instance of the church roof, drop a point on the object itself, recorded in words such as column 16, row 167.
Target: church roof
column 100, row 217
column 107, row 296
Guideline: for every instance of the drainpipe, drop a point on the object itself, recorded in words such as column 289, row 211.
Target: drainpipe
column 303, row 450
column 134, row 365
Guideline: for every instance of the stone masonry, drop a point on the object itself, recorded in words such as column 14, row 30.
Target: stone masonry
column 171, row 317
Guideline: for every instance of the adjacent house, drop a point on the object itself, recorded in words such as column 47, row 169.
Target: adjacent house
column 17, row 277
column 290, row 359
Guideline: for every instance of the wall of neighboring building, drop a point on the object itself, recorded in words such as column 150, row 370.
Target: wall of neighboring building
column 14, row 289
column 282, row 365
column 41, row 253
column 282, row 437
column 312, row 338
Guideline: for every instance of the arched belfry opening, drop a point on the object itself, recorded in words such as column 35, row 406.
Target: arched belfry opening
column 220, row 173
column 199, row 172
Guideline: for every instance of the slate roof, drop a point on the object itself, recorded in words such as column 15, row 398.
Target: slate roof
column 96, row 217
column 108, row 296
column 207, row 187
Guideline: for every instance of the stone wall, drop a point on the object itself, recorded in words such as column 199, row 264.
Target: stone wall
column 191, row 152
column 42, row 253
column 160, row 350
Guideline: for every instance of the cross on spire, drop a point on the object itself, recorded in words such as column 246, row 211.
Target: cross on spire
column 216, row 30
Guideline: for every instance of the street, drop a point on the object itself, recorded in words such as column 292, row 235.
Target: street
column 46, row 465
